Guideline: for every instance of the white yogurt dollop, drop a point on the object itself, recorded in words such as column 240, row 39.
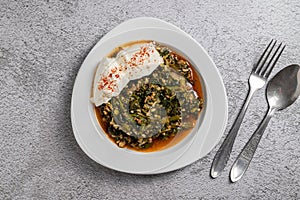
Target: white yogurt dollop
column 131, row 63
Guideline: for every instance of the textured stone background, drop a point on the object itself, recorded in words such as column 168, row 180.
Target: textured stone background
column 42, row 45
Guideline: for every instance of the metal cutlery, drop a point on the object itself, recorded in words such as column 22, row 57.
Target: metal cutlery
column 258, row 77
column 282, row 90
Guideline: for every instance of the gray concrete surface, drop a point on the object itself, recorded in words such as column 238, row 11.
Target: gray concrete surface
column 42, row 45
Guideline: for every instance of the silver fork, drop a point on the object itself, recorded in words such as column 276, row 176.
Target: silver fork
column 257, row 80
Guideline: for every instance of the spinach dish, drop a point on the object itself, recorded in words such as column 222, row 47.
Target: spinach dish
column 151, row 111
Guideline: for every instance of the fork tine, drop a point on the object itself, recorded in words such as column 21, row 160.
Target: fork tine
column 265, row 59
column 261, row 57
column 270, row 61
column 275, row 61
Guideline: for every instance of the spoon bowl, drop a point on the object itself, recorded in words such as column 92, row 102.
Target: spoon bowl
column 284, row 88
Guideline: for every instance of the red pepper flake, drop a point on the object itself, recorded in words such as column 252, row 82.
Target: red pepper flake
column 106, row 83
column 137, row 59
column 114, row 70
column 100, row 87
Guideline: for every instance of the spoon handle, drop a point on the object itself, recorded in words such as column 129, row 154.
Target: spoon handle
column 222, row 156
column 243, row 160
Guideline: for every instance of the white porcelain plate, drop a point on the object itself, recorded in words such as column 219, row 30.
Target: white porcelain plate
column 98, row 147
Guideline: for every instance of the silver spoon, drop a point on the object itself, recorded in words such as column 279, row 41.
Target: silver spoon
column 282, row 91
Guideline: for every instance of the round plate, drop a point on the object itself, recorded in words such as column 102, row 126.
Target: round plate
column 87, row 131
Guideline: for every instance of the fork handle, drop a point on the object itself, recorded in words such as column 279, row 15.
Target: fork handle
column 243, row 160
column 223, row 154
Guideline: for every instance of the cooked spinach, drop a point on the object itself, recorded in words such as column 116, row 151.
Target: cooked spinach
column 155, row 107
